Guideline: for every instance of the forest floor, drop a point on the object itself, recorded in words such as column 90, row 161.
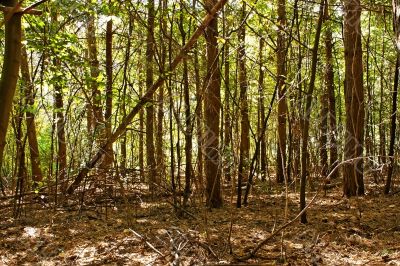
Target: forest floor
column 363, row 231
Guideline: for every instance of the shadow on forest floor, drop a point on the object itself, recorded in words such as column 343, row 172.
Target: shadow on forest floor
column 340, row 232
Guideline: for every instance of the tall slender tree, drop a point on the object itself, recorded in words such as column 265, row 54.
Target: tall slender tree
column 10, row 70
column 282, row 103
column 30, row 118
column 244, row 109
column 150, row 150
column 109, row 156
column 330, row 90
column 212, row 108
column 354, row 99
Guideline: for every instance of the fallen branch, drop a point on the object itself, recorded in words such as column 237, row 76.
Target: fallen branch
column 145, row 98
column 147, row 242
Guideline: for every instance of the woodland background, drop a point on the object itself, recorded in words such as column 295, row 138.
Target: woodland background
column 160, row 120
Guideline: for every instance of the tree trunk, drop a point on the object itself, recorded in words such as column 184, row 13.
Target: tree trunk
column 227, row 108
column 323, row 141
column 150, row 150
column 393, row 126
column 212, row 115
column 282, row 104
column 96, row 107
column 30, row 118
column 60, row 124
column 188, row 120
column 307, row 114
column 354, row 99
column 10, row 71
column 123, row 105
column 160, row 114
column 396, row 28
column 263, row 148
column 330, row 89
column 244, row 110
column 382, row 124
column 199, row 120
column 109, row 156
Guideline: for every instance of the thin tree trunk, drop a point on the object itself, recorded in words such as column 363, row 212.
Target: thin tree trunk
column 330, row 88
column 109, row 156
column 282, row 103
column 382, row 124
column 323, row 141
column 307, row 114
column 393, row 126
column 227, row 107
column 244, row 110
column 30, row 118
column 96, row 107
column 171, row 110
column 160, row 114
column 123, row 106
column 60, row 125
column 263, row 148
column 188, row 122
column 150, row 150
column 396, row 28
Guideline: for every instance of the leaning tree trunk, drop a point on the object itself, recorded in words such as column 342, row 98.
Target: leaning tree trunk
column 9, row 76
column 354, row 100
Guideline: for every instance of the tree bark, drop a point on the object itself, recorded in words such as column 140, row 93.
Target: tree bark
column 307, row 114
column 212, row 103
column 150, row 150
column 160, row 114
column 244, row 110
column 354, row 100
column 227, row 108
column 330, row 89
column 9, row 76
column 109, row 154
column 188, row 120
column 393, row 126
column 60, row 124
column 97, row 122
column 282, row 103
